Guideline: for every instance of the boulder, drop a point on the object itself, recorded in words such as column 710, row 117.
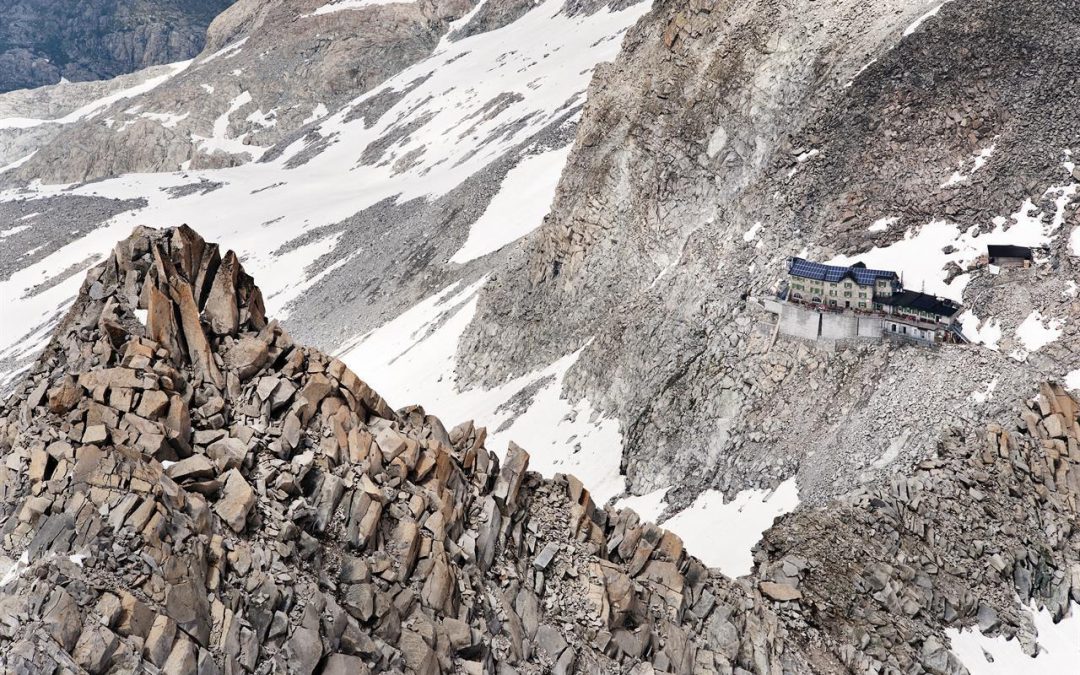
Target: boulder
column 247, row 357
column 95, row 648
column 779, row 592
column 236, row 501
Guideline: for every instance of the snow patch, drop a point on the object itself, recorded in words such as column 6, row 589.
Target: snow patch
column 986, row 333
column 220, row 141
column 228, row 51
column 723, row 534
column 518, row 208
column 344, row 5
column 987, row 391
column 293, row 267
column 12, row 569
column 317, row 113
column 167, row 120
column 860, row 72
column 17, row 163
column 922, row 19
column 648, row 506
column 921, row 256
column 1072, row 380
column 977, row 162
column 882, row 224
column 1059, row 647
column 803, row 157
column 1036, row 332
column 750, row 234
column 11, row 231
column 95, row 107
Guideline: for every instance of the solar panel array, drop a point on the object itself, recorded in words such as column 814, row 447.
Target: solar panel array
column 833, row 273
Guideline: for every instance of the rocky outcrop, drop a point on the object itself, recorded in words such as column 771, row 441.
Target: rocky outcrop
column 185, row 489
column 44, row 41
column 197, row 493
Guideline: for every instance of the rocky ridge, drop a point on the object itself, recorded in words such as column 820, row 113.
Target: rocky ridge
column 185, row 489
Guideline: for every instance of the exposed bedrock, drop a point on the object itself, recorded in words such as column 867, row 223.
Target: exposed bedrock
column 814, row 120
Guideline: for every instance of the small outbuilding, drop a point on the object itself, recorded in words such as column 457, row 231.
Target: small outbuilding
column 1009, row 256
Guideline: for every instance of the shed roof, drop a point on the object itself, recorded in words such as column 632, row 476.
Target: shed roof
column 1008, row 251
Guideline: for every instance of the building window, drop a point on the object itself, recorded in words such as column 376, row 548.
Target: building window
column 862, row 305
column 847, row 294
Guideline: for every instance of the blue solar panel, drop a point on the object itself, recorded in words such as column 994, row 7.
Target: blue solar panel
column 834, row 273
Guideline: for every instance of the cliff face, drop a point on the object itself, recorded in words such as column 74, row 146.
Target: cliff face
column 731, row 135
column 184, row 488
column 42, row 41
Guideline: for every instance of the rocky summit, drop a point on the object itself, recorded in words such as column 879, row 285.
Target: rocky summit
column 185, row 489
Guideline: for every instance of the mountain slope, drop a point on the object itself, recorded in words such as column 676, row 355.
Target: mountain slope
column 392, row 220
column 269, row 69
column 728, row 137
column 44, row 41
column 186, row 488
column 356, row 217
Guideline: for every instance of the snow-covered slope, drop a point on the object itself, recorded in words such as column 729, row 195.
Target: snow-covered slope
column 490, row 98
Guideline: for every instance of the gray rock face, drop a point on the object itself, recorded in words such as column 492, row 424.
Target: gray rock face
column 42, row 41
column 718, row 116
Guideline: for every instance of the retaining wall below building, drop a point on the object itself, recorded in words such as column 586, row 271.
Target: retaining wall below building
column 839, row 326
column 800, row 322
column 833, row 329
column 870, row 327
